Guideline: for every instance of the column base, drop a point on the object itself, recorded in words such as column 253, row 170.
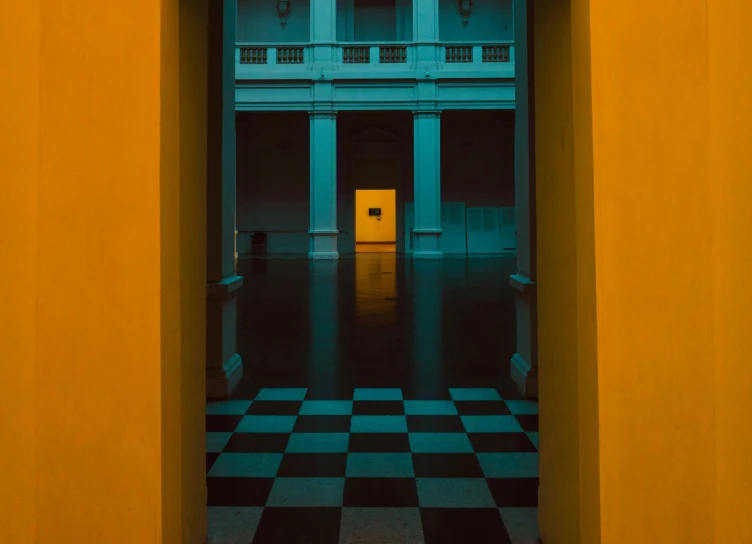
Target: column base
column 524, row 376
column 224, row 367
column 427, row 245
column 323, row 255
column 323, row 244
column 428, row 254
column 221, row 382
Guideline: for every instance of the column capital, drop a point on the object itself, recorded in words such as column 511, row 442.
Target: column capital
column 426, row 114
column 316, row 114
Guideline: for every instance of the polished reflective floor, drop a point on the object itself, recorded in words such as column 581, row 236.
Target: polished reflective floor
column 377, row 320
column 376, row 406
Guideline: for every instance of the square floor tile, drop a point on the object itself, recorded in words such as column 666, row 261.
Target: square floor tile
column 210, row 460
column 298, row 526
column 238, row 491
column 440, row 443
column 514, row 492
column 318, row 443
column 275, row 408
column 378, row 408
column 322, row 424
column 467, row 525
column 222, row 424
column 521, row 524
column 380, row 492
column 446, row 465
column 246, row 465
column 215, row 442
column 426, row 392
column 491, row 424
column 233, row 524
column 379, row 442
column 247, row 390
column 482, row 408
column 533, row 436
column 381, row 526
column 309, row 465
column 454, row 493
column 522, row 406
column 380, row 465
column 330, row 391
column 266, row 424
column 509, row 465
column 363, row 393
column 430, row 408
column 327, row 408
column 281, row 393
column 228, row 408
column 501, row 442
column 378, row 424
column 257, row 443
column 528, row 422
column 467, row 393
column 306, row 492
column 435, row 424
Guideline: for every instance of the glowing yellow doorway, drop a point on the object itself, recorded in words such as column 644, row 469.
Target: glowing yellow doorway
column 375, row 221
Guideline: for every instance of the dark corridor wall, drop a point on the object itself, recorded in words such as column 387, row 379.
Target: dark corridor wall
column 477, row 158
column 477, row 167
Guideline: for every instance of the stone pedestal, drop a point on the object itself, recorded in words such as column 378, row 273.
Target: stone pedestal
column 524, row 363
column 224, row 367
column 323, row 231
column 427, row 229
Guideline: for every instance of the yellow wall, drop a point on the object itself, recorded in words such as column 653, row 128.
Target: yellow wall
column 641, row 190
column 19, row 175
column 370, row 229
column 730, row 112
column 103, row 290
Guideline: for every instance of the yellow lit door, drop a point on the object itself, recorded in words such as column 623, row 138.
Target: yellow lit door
column 376, row 216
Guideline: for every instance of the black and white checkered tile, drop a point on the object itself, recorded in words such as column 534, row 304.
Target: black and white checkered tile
column 379, row 468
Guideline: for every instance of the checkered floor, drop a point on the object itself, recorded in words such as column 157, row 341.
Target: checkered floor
column 379, row 468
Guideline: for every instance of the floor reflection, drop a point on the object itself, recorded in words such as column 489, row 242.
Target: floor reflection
column 376, row 288
column 376, row 320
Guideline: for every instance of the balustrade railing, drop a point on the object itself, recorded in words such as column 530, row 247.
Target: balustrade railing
column 392, row 54
column 459, row 53
column 290, row 55
column 356, row 55
column 254, row 58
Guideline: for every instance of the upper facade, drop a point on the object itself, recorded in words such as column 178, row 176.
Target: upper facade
column 374, row 39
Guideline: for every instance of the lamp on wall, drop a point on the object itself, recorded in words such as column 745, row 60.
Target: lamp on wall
column 465, row 8
column 283, row 12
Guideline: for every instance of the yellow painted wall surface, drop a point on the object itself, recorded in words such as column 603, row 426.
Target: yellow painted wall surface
column 730, row 69
column 641, row 137
column 370, row 229
column 104, row 413
column 19, row 174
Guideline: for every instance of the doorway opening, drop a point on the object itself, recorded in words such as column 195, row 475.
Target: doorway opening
column 375, row 220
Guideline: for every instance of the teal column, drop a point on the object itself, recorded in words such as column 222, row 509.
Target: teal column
column 224, row 367
column 323, row 231
column 427, row 363
column 323, row 361
column 524, row 363
column 425, row 20
column 426, row 33
column 427, row 172
column 323, row 32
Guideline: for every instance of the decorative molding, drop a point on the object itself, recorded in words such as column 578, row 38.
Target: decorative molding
column 313, row 114
column 224, row 289
column 433, row 114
